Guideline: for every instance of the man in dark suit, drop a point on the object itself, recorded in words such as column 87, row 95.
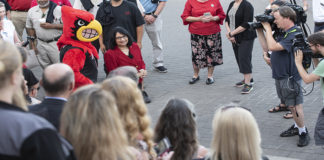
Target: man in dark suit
column 58, row 83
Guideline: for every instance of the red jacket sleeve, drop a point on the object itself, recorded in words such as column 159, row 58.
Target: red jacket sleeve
column 220, row 12
column 75, row 58
column 186, row 12
column 140, row 62
column 110, row 61
column 33, row 3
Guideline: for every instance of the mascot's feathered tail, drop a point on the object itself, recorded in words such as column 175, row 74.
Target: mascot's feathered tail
column 79, row 30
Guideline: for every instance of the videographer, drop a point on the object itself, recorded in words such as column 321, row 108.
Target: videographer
column 316, row 43
column 266, row 55
column 284, row 71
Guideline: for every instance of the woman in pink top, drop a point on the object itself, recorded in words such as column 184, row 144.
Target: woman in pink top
column 204, row 18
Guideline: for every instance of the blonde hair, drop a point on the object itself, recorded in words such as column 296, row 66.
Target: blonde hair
column 10, row 62
column 91, row 123
column 132, row 109
column 236, row 135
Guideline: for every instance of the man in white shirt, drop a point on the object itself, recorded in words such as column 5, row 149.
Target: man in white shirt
column 318, row 15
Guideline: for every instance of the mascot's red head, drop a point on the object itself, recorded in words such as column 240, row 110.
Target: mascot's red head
column 79, row 30
column 80, row 25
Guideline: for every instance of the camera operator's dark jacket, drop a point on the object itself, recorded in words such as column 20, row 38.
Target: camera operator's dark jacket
column 244, row 14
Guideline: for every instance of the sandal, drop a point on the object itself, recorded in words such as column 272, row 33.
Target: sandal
column 278, row 109
column 288, row 115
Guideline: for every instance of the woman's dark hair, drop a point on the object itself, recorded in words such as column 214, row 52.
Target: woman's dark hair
column 178, row 124
column 121, row 30
column 278, row 3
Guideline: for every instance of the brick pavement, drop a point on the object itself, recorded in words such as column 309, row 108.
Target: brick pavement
column 162, row 87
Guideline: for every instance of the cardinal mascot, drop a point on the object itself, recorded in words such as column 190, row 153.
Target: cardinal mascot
column 79, row 30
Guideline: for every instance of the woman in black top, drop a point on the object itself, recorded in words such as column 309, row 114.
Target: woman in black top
column 239, row 13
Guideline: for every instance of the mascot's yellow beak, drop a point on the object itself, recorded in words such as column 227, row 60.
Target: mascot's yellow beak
column 90, row 32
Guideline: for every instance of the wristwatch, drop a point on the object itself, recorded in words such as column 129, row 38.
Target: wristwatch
column 155, row 16
column 229, row 34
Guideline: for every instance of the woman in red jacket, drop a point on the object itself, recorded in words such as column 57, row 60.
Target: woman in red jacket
column 123, row 51
column 204, row 18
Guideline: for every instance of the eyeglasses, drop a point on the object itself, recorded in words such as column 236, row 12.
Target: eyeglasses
column 122, row 37
column 275, row 10
column 38, row 88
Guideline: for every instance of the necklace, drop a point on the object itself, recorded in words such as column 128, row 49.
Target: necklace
column 125, row 50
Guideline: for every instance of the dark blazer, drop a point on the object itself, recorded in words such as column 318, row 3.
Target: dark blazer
column 244, row 14
column 50, row 109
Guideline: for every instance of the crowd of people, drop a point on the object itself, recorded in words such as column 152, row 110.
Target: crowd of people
column 108, row 120
column 80, row 118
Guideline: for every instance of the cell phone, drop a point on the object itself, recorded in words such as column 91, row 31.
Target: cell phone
column 207, row 14
column 24, row 44
column 163, row 146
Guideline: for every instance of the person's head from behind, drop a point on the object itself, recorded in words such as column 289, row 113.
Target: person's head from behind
column 316, row 42
column 58, row 80
column 23, row 53
column 10, row 71
column 33, row 89
column 90, row 121
column 177, row 122
column 235, row 134
column 126, row 71
column 284, row 17
column 120, row 37
column 132, row 109
column 2, row 11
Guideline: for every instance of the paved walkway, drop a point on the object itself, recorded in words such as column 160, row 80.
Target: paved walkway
column 161, row 87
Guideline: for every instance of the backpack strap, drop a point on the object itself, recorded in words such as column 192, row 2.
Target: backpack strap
column 65, row 49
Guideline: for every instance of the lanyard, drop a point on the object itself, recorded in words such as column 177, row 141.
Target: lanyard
column 294, row 30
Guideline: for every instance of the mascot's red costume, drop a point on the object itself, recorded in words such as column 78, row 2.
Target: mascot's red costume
column 76, row 50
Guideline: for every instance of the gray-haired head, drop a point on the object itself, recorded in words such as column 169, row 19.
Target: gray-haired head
column 126, row 71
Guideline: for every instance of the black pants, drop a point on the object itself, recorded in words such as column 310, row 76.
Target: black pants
column 243, row 55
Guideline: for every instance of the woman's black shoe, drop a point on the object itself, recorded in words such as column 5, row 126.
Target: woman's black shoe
column 146, row 98
column 194, row 80
column 209, row 81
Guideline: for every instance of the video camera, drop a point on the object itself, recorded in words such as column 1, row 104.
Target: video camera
column 300, row 43
column 265, row 17
column 300, row 13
